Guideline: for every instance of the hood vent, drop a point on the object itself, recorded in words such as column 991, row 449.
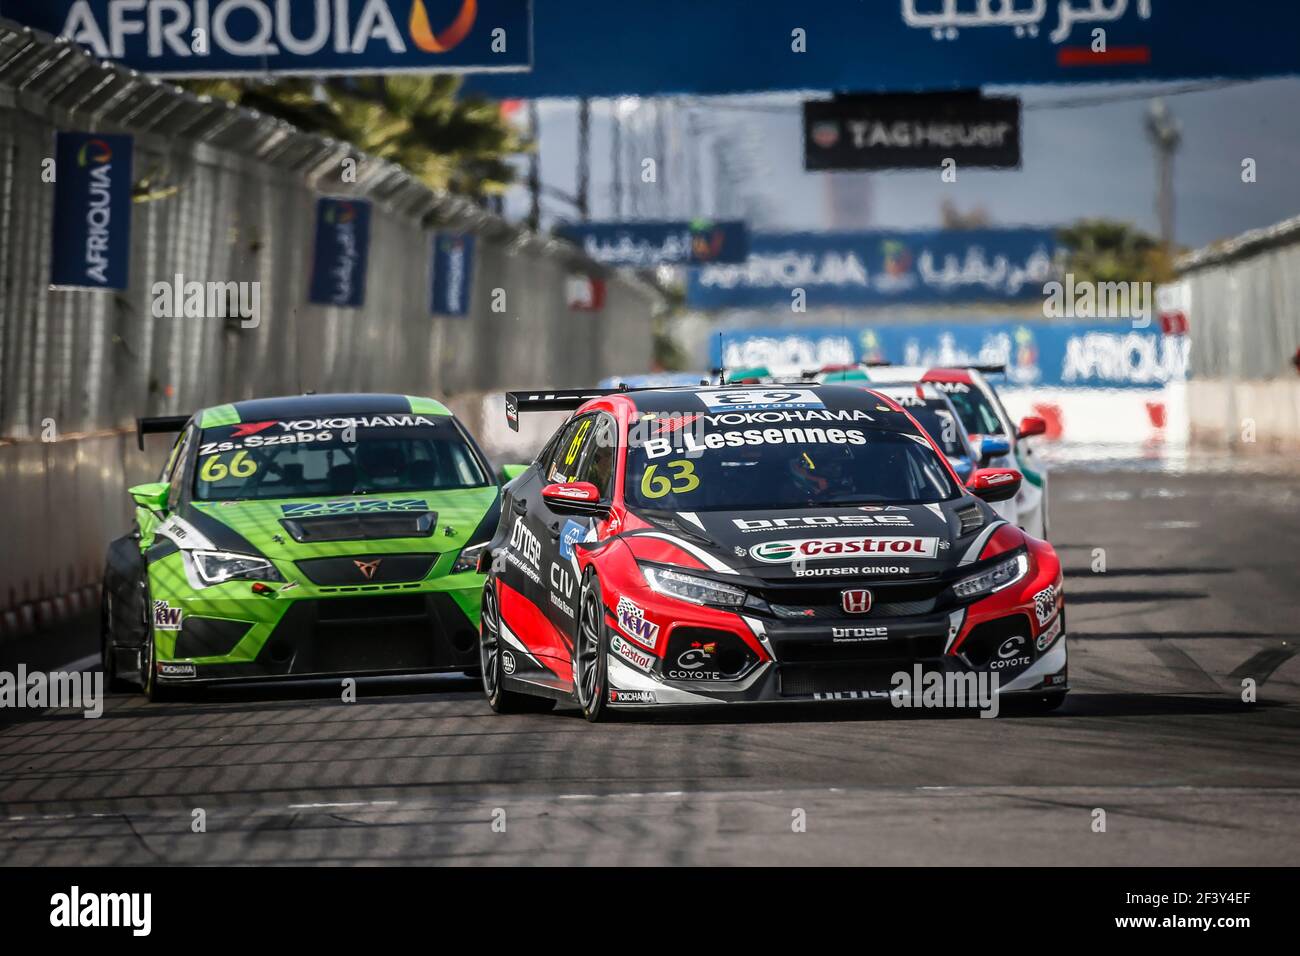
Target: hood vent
column 972, row 519
column 361, row 527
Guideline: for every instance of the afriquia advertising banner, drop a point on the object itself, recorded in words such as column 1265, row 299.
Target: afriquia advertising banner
column 453, row 273
column 232, row 37
column 341, row 254
column 879, row 268
column 894, row 45
column 1094, row 354
column 92, row 211
column 649, row 244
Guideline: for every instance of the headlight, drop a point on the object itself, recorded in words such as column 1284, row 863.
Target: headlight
column 218, row 567
column 687, row 587
column 995, row 578
column 467, row 560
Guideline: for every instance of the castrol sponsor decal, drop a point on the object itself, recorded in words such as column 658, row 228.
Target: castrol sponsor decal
column 834, row 549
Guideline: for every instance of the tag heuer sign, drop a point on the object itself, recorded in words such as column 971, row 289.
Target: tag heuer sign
column 912, row 131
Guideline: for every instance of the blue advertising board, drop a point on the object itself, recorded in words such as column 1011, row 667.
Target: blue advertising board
column 879, row 268
column 1076, row 354
column 341, row 253
column 91, row 231
column 453, row 273
column 738, row 46
column 648, row 244
column 233, row 37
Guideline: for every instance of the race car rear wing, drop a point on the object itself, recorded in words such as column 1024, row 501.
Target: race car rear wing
column 159, row 425
column 556, row 400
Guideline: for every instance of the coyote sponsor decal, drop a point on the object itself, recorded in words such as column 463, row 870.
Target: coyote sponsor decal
column 347, row 507
column 166, row 617
column 832, row 549
column 631, row 619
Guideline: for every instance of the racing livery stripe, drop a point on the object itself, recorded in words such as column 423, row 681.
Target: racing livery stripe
column 219, row 535
column 219, row 415
column 184, row 535
column 644, row 547
column 534, row 629
column 973, row 552
column 708, row 560
column 427, row 406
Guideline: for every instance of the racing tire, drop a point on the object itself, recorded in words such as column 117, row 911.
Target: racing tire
column 107, row 654
column 501, row 701
column 591, row 654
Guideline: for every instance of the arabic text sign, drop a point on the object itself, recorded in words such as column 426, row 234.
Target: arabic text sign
column 896, row 45
column 1097, row 354
column 880, row 268
column 912, row 131
column 453, row 273
column 648, row 244
column 92, row 211
column 226, row 37
column 338, row 273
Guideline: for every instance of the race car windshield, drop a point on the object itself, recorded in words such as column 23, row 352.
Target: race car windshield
column 304, row 459
column 973, row 407
column 938, row 423
column 757, row 469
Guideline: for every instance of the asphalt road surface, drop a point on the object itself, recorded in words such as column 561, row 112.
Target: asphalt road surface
column 1201, row 590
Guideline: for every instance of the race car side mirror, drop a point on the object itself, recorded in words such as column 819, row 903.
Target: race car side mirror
column 511, row 472
column 990, row 446
column 152, row 496
column 994, row 484
column 1032, row 425
column 573, row 497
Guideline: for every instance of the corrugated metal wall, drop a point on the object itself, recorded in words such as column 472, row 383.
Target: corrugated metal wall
column 232, row 198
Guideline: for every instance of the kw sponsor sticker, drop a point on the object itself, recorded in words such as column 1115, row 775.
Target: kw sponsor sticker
column 166, row 617
column 833, row 549
column 632, row 620
column 1045, row 604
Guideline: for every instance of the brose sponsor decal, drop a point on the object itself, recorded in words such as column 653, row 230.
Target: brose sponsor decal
column 830, row 549
column 352, row 506
column 814, row 521
column 525, row 551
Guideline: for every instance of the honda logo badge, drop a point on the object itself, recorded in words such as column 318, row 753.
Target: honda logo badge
column 855, row 601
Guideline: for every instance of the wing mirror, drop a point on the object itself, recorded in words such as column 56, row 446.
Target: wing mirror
column 152, row 496
column 1032, row 425
column 994, row 484
column 988, row 447
column 573, row 497
column 510, row 473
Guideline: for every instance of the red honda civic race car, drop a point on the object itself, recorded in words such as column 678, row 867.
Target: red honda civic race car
column 742, row 544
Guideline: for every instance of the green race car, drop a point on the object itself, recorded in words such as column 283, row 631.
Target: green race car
column 301, row 537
